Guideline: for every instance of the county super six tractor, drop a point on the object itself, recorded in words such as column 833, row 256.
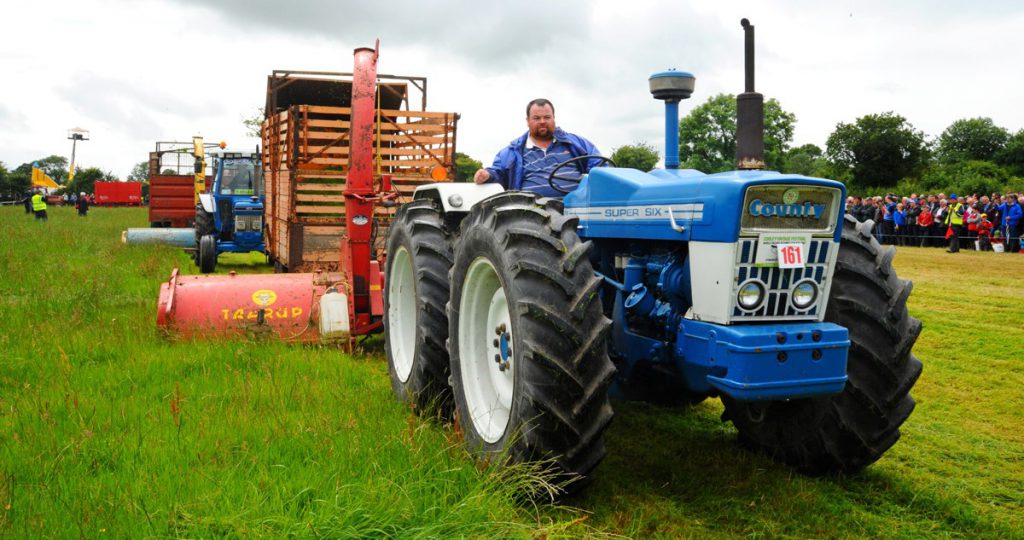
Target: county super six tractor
column 521, row 316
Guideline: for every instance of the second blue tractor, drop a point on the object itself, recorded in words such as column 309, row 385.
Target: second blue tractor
column 229, row 217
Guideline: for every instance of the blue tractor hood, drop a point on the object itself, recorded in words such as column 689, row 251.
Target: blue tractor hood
column 677, row 204
column 248, row 205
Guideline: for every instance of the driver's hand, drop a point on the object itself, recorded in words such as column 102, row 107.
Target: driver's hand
column 481, row 176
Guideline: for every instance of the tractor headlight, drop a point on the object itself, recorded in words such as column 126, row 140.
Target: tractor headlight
column 804, row 294
column 750, row 295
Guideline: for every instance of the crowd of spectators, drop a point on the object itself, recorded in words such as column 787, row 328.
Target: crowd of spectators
column 985, row 223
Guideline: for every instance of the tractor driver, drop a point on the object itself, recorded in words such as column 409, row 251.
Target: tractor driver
column 237, row 179
column 527, row 162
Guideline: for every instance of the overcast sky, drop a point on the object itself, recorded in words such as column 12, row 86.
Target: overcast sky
column 135, row 72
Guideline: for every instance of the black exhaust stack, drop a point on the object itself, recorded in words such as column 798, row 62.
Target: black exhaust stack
column 749, row 112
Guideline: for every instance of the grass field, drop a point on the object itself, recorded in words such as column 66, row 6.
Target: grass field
column 108, row 429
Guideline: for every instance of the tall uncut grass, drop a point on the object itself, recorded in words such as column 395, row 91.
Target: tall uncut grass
column 106, row 428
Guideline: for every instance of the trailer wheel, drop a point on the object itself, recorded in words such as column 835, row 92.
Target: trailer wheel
column 416, row 324
column 530, row 366
column 207, row 254
column 851, row 430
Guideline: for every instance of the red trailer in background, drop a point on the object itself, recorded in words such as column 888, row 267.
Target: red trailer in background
column 118, row 193
column 172, row 200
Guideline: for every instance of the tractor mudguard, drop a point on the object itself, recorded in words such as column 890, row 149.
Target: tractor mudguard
column 457, row 197
column 206, row 199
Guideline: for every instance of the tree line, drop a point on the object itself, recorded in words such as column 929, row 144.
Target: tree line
column 875, row 153
column 15, row 183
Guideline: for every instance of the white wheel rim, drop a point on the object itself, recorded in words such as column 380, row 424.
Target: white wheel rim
column 402, row 313
column 488, row 389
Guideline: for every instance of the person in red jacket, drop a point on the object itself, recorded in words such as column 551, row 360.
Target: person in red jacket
column 924, row 226
column 985, row 233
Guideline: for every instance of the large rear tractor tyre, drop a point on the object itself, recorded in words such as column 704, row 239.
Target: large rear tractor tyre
column 415, row 323
column 207, row 254
column 851, row 430
column 527, row 338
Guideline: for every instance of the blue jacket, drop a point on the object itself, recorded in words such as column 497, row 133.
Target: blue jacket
column 1013, row 215
column 899, row 218
column 889, row 209
column 507, row 169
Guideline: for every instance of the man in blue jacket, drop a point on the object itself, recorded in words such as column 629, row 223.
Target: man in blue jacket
column 1014, row 223
column 527, row 162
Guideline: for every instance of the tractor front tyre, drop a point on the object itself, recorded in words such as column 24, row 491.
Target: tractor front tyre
column 415, row 322
column 851, row 430
column 527, row 338
column 207, row 254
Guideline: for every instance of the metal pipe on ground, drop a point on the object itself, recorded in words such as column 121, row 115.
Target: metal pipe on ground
column 179, row 237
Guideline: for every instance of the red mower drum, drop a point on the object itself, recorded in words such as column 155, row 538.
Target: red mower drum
column 282, row 306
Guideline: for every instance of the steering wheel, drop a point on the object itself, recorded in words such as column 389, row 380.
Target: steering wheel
column 601, row 160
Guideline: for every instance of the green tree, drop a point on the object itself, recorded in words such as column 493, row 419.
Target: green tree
column 19, row 180
column 640, row 156
column 965, row 177
column 1012, row 154
column 975, row 139
column 86, row 179
column 465, row 167
column 877, row 150
column 140, row 172
column 5, row 189
column 707, row 136
column 808, row 160
column 254, row 124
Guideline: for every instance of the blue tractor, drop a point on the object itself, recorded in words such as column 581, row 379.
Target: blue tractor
column 521, row 317
column 229, row 217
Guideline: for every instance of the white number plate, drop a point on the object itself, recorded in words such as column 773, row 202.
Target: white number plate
column 791, row 255
column 782, row 250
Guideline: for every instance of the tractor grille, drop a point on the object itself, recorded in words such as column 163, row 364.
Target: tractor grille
column 779, row 281
column 248, row 223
